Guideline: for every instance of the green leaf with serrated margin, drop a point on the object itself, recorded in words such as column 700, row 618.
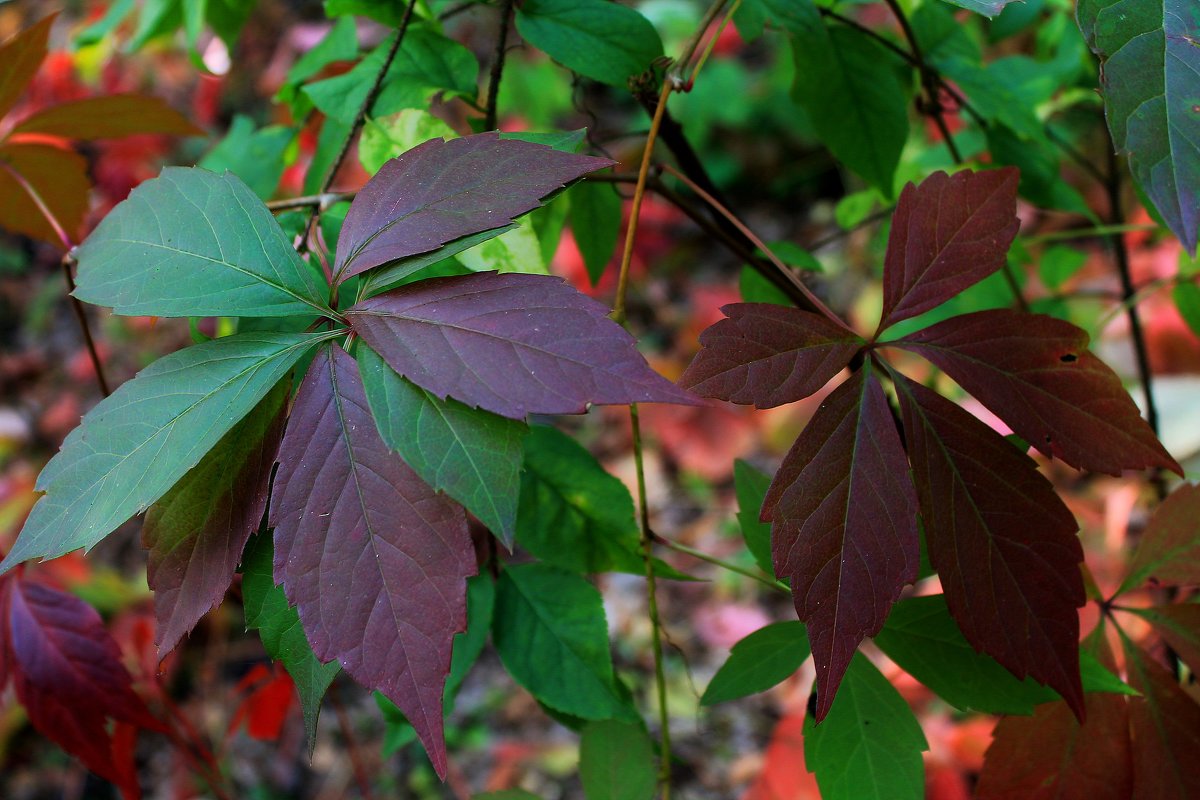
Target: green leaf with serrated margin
column 136, row 444
column 616, row 762
column 603, row 41
column 761, row 660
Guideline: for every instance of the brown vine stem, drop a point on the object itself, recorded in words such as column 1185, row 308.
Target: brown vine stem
column 68, row 260
column 489, row 119
column 320, row 201
column 930, row 80
column 682, row 64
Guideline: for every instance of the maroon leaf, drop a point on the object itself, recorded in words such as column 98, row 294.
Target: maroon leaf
column 513, row 344
column 443, row 190
column 844, row 529
column 67, row 673
column 1164, row 724
column 59, row 177
column 21, row 56
column 767, row 355
column 375, row 560
column 197, row 531
column 949, row 233
column 1001, row 540
column 1036, row 373
column 1169, row 552
column 1179, row 626
column 108, row 117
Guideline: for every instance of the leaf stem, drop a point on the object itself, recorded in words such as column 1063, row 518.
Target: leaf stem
column 770, row 583
column 682, row 64
column 489, row 120
column 320, row 201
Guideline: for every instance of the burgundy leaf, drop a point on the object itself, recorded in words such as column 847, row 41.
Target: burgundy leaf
column 197, row 531
column 844, row 529
column 1001, row 540
column 60, row 179
column 767, row 355
column 1036, row 373
column 949, row 233
column 375, row 560
column 513, row 344
column 1164, row 725
column 21, row 56
column 1179, row 626
column 1169, row 552
column 442, row 190
column 67, row 673
column 108, row 117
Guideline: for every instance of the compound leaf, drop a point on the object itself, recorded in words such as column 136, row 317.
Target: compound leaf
column 1169, row 552
column 603, row 41
column 761, row 660
column 512, row 344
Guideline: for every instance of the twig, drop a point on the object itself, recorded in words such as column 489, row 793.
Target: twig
column 778, row 586
column 506, row 9
column 680, row 68
column 930, row 80
column 320, row 201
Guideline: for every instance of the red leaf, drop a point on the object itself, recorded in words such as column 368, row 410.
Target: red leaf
column 767, row 355
column 1001, row 540
column 844, row 529
column 949, row 233
column 108, row 117
column 1036, row 373
column 68, row 674
column 59, row 177
column 443, row 190
column 1179, row 626
column 1164, row 724
column 513, row 344
column 375, row 561
column 1169, row 552
column 270, row 695
column 197, row 531
column 21, row 56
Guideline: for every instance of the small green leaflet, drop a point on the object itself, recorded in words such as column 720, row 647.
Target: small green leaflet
column 616, row 762
column 193, row 244
column 750, row 486
column 387, row 137
column 604, row 41
column 255, row 156
column 763, row 659
column 397, row 273
column 136, row 444
column 551, row 633
column 595, row 223
column 278, row 625
column 870, row 744
column 470, row 454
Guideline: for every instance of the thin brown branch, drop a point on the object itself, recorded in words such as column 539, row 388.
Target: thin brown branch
column 318, row 201
column 84, row 327
column 489, row 119
column 930, row 80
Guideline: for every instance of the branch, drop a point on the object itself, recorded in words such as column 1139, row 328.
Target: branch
column 489, row 120
column 930, row 80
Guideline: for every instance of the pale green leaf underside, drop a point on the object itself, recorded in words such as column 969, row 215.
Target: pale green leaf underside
column 135, row 445
column 193, row 243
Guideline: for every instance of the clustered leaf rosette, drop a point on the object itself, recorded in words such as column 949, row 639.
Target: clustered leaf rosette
column 863, row 483
column 411, row 407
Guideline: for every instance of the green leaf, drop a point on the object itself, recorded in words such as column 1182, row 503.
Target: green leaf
column 572, row 513
column 595, row 224
column 870, row 744
column 470, row 454
column 255, row 156
column 755, row 288
column 388, row 12
column 616, row 762
column 847, row 83
column 278, row 625
column 563, row 141
column 387, row 137
column 1058, row 264
column 191, row 244
column 763, row 659
column 551, row 634
column 750, row 485
column 398, row 272
column 137, row 443
column 1187, row 300
column 340, row 44
column 988, row 8
column 514, row 250
column 507, row 794
column 604, row 41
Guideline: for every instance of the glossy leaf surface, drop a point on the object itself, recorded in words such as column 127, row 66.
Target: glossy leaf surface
column 1169, row 551
column 374, row 559
column 512, row 344
column 844, row 525
column 761, row 660
column 603, row 41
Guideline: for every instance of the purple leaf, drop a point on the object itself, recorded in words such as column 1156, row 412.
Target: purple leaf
column 949, row 233
column 443, row 190
column 1036, row 373
column 375, row 560
column 767, row 355
column 512, row 344
column 1001, row 540
column 844, row 516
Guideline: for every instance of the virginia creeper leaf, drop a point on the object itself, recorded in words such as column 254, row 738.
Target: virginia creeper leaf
column 444, row 190
column 844, row 524
column 68, row 674
column 1179, row 626
column 60, row 179
column 1150, row 68
column 1164, row 726
column 472, row 455
column 192, row 243
column 375, row 560
column 767, row 355
column 870, row 744
column 278, row 625
column 596, row 224
column 1036, row 373
column 512, row 344
column 948, row 233
column 197, row 531
column 551, row 634
column 616, row 762
column 1169, row 552
column 136, row 444
column 108, row 117
column 603, row 41
column 21, row 56
column 750, row 485
column 759, row 661
column 1001, row 540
